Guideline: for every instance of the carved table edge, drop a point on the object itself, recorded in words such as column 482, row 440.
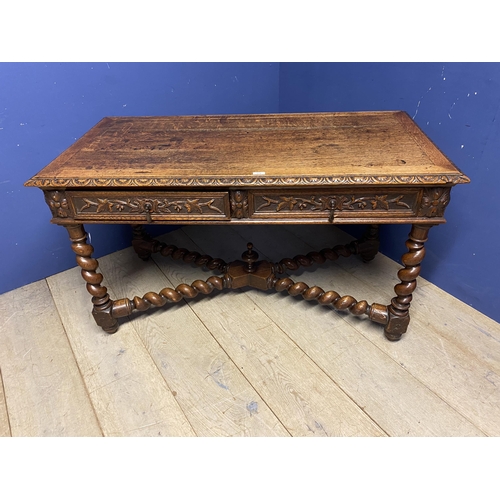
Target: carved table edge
column 221, row 181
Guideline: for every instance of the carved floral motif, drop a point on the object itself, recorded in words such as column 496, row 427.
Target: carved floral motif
column 239, row 204
column 434, row 202
column 338, row 203
column 57, row 202
column 149, row 205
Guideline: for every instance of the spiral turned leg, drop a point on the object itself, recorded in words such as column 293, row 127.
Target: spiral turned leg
column 399, row 314
column 103, row 305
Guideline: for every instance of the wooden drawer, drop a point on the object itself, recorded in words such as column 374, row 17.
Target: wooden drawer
column 111, row 206
column 338, row 204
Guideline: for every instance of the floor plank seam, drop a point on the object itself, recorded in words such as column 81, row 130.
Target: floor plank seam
column 225, row 352
column 351, row 323
column 321, row 368
column 166, row 382
column 242, row 373
column 369, row 338
column 294, row 343
column 466, row 352
column 422, row 383
column 76, row 360
column 340, row 316
column 139, row 338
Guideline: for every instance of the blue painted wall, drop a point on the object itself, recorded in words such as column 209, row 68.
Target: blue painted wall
column 44, row 108
column 457, row 105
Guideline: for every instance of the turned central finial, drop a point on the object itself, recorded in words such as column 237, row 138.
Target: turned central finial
column 250, row 256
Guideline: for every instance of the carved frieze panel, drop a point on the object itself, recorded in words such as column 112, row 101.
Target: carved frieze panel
column 323, row 204
column 201, row 205
column 242, row 204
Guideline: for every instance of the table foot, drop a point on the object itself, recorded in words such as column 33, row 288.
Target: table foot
column 396, row 325
column 103, row 315
column 102, row 310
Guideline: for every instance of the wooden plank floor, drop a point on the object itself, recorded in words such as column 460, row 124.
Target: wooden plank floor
column 244, row 363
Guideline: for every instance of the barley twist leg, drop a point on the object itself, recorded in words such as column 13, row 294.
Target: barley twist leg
column 399, row 314
column 102, row 310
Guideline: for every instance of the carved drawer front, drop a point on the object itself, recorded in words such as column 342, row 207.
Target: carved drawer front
column 149, row 206
column 339, row 204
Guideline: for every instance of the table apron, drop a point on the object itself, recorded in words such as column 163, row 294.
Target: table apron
column 340, row 205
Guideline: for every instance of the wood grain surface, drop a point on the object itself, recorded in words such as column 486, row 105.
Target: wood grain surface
column 44, row 389
column 129, row 395
column 310, row 148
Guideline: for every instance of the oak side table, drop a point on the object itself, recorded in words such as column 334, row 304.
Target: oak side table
column 317, row 168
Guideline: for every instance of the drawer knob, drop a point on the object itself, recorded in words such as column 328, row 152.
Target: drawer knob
column 332, row 215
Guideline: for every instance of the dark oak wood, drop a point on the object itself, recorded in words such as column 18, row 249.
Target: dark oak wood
column 103, row 305
column 313, row 168
column 399, row 316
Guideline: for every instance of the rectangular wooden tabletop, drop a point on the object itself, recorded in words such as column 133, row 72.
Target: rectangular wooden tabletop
column 383, row 147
